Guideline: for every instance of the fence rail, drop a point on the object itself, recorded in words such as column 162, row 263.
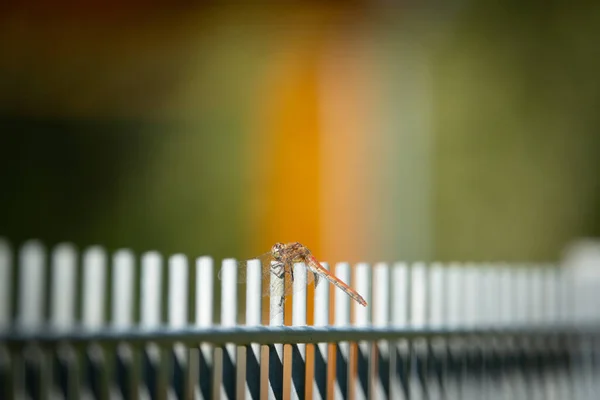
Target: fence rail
column 106, row 325
column 242, row 335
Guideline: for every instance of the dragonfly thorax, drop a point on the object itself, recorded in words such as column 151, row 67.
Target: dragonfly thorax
column 276, row 251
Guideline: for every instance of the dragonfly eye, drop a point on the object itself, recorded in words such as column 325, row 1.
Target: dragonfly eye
column 276, row 250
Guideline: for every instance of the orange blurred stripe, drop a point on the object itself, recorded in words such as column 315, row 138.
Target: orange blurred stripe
column 289, row 196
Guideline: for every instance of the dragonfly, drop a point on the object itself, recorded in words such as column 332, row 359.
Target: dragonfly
column 279, row 262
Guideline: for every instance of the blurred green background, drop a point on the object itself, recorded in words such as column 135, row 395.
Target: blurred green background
column 367, row 132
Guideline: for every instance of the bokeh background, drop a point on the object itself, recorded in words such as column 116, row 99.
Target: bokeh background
column 366, row 131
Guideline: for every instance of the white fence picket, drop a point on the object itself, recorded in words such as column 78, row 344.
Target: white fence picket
column 229, row 294
column 418, row 301
column 6, row 271
column 63, row 289
column 400, row 319
column 505, row 312
column 455, row 318
column 63, row 295
column 342, row 319
column 204, row 319
column 454, row 296
column 321, row 310
column 522, row 296
column 151, row 303
column 253, row 318
column 436, row 309
column 298, row 383
column 32, row 289
column 93, row 316
column 123, row 317
column 536, row 294
column 437, row 292
column 551, row 283
column 276, row 318
column 418, row 320
column 94, row 287
column 507, row 294
column 472, row 297
column 151, row 290
column 178, row 318
column 178, row 291
column 381, row 319
column 365, row 373
column 123, row 288
column 488, row 296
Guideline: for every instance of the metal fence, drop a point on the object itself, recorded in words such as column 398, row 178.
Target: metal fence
column 115, row 326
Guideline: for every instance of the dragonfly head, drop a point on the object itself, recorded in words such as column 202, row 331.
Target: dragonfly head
column 276, row 250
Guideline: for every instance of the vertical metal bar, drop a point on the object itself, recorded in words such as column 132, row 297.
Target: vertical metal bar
column 178, row 318
column 520, row 382
column 567, row 316
column 418, row 319
column 436, row 318
column 583, row 261
column 123, row 286
column 30, row 307
column 122, row 316
column 30, row 311
column 381, row 318
column 320, row 384
column 5, row 364
column 150, row 302
column 365, row 373
column 490, row 318
column 470, row 306
column 94, row 287
column 537, row 305
column 18, row 384
column 505, row 313
column 455, row 319
column 204, row 319
column 596, row 364
column 400, row 303
column 6, row 320
column 150, row 317
column 5, row 315
column 6, row 384
column 165, row 362
column 229, row 318
column 63, row 298
column 6, row 273
column 342, row 318
column 298, row 387
column 93, row 316
column 63, row 289
column 75, row 374
column 253, row 318
column 276, row 316
column 437, row 292
column 551, row 375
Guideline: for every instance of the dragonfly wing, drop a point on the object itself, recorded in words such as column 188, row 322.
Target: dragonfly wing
column 270, row 270
column 280, row 278
column 242, row 267
column 299, row 268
